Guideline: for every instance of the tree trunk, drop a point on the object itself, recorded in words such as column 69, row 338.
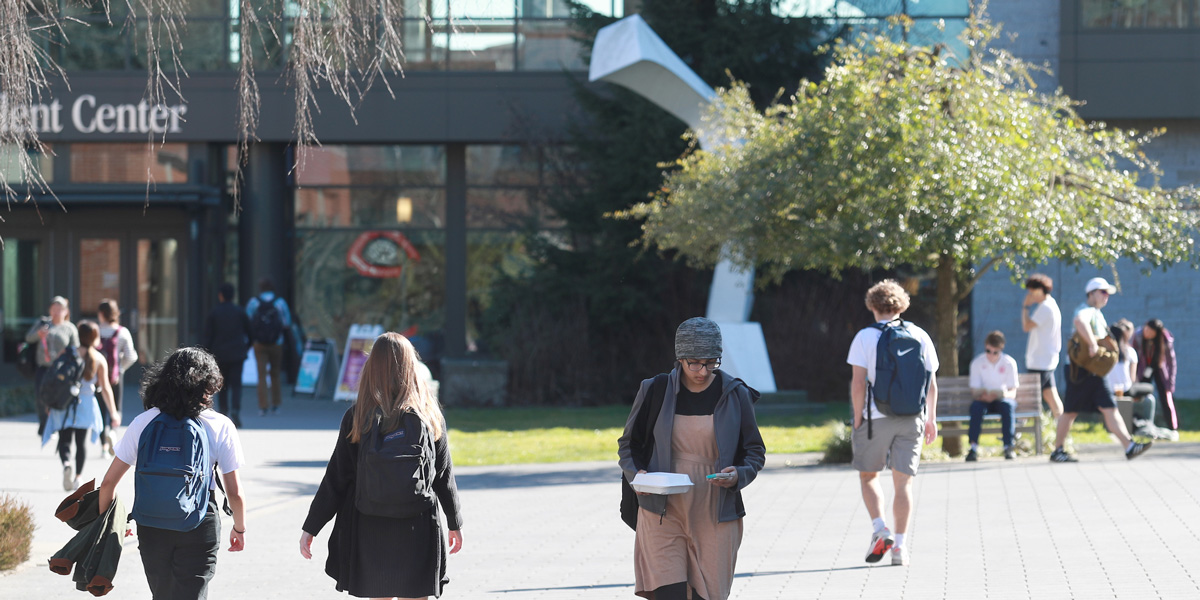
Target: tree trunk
column 947, row 316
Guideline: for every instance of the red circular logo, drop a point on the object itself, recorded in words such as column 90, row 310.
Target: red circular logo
column 378, row 254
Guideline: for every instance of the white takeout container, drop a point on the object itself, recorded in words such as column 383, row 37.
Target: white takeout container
column 661, row 483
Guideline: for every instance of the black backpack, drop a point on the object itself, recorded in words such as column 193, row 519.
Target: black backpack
column 27, row 359
column 901, row 375
column 396, row 470
column 267, row 323
column 60, row 386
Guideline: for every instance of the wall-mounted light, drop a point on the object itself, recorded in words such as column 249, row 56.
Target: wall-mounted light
column 404, row 208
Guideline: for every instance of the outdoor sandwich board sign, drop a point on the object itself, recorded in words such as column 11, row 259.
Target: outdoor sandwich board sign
column 310, row 371
column 358, row 345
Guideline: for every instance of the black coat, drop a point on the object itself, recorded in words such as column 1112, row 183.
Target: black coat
column 364, row 549
column 227, row 333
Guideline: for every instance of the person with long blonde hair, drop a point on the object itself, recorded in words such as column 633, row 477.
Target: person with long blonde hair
column 375, row 553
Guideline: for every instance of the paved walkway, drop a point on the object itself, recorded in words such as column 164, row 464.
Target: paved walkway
column 1102, row 528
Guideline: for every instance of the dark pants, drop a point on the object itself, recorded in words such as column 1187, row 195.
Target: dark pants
column 179, row 564
column 42, row 413
column 1004, row 408
column 64, row 447
column 1166, row 402
column 231, row 372
column 104, row 416
column 675, row 591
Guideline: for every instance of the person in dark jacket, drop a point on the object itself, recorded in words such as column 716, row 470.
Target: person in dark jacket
column 1156, row 364
column 706, row 429
column 227, row 337
column 373, row 556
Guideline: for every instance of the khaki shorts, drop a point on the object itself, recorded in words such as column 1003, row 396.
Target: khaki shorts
column 896, row 442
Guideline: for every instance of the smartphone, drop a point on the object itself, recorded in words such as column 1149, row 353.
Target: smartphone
column 720, row 476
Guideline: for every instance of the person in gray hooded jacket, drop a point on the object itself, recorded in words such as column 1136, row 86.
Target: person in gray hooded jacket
column 704, row 427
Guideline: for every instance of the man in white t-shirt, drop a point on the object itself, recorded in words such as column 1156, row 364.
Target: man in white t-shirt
column 1087, row 391
column 884, row 439
column 993, row 381
column 1042, row 320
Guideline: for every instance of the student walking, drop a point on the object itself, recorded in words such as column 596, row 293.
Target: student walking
column 269, row 316
column 227, row 336
column 1087, row 391
column 389, row 472
column 993, row 380
column 82, row 418
column 1156, row 364
column 891, row 432
column 116, row 344
column 179, row 530
column 52, row 334
column 701, row 423
column 1042, row 320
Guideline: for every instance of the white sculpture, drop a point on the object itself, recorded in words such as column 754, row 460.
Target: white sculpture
column 629, row 53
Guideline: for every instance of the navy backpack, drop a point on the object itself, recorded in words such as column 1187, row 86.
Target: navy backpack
column 901, row 375
column 172, row 479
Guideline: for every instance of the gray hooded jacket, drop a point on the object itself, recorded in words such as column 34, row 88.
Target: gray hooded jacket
column 733, row 419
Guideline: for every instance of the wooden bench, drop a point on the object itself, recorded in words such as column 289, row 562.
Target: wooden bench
column 954, row 407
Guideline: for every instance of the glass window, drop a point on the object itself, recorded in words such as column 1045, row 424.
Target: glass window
column 372, row 165
column 548, row 46
column 483, row 45
column 43, row 162
column 498, row 208
column 1137, row 14
column 370, row 207
column 129, row 163
column 397, row 284
column 91, row 44
column 485, row 9
column 24, row 291
column 490, row 256
column 939, row 8
column 424, row 45
column 203, row 46
column 157, row 299
column 501, row 165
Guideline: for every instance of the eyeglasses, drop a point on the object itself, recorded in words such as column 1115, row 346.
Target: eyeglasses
column 1105, row 292
column 990, row 351
column 695, row 365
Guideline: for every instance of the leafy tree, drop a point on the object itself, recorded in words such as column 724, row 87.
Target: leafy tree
column 908, row 155
column 591, row 288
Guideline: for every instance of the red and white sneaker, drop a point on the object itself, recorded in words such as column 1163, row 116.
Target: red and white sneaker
column 900, row 556
column 881, row 542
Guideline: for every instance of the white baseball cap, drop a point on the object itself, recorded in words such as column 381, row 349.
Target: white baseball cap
column 1099, row 283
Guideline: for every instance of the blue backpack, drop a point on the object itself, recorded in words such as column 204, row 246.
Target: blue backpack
column 901, row 375
column 172, row 478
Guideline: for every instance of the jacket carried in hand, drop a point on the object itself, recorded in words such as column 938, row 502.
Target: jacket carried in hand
column 95, row 551
column 739, row 443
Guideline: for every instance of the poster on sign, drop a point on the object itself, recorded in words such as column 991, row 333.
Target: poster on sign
column 358, row 345
column 310, row 371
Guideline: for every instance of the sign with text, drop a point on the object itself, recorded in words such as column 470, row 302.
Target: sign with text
column 358, row 346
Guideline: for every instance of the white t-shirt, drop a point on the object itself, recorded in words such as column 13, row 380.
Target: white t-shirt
column 862, row 354
column 1092, row 317
column 223, row 442
column 1119, row 375
column 1045, row 340
column 988, row 376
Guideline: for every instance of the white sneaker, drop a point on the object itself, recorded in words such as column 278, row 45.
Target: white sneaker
column 68, row 478
column 881, row 541
column 900, row 556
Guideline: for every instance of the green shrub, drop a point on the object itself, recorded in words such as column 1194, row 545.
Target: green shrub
column 838, row 449
column 16, row 532
column 17, row 400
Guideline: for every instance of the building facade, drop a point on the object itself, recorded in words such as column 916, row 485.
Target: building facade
column 1135, row 66
column 402, row 217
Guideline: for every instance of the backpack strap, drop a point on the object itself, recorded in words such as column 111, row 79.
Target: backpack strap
column 224, row 494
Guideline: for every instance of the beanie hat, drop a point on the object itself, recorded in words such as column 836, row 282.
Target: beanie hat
column 698, row 337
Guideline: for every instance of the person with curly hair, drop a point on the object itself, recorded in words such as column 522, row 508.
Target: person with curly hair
column 879, row 439
column 374, row 552
column 180, row 564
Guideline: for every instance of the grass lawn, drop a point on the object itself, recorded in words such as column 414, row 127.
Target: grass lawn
column 491, row 436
